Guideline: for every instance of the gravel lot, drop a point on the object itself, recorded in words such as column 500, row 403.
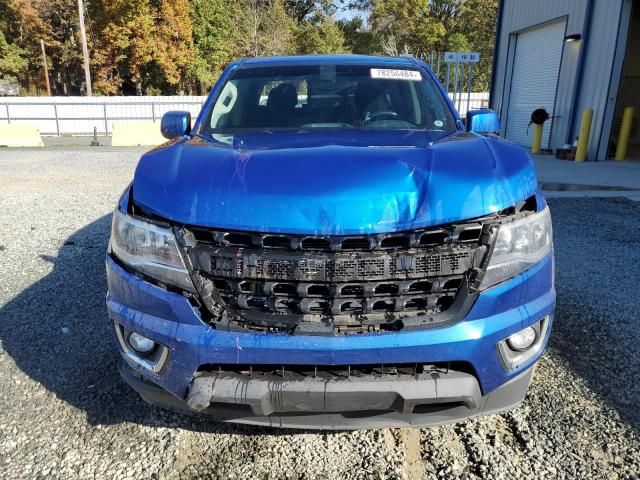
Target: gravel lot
column 64, row 412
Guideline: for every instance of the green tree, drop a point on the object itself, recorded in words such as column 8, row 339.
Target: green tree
column 264, row 28
column 300, row 9
column 13, row 63
column 421, row 27
column 357, row 38
column 19, row 25
column 320, row 34
column 457, row 42
column 213, row 34
column 410, row 24
column 446, row 12
column 478, row 21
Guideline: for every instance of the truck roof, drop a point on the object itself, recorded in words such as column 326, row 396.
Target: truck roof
column 330, row 59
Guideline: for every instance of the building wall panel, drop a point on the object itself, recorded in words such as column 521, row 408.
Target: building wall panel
column 519, row 15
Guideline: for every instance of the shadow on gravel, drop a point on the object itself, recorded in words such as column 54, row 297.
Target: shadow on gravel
column 57, row 333
column 597, row 328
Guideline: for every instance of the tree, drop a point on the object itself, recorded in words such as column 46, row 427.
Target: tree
column 457, row 42
column 447, row 12
column 421, row 27
column 13, row 62
column 264, row 28
column 62, row 45
column 173, row 37
column 141, row 45
column 357, row 38
column 320, row 35
column 170, row 46
column 362, row 5
column 478, row 21
column 122, row 43
column 300, row 9
column 411, row 23
column 214, row 30
column 25, row 22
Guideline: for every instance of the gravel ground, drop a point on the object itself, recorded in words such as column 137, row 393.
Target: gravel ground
column 64, row 412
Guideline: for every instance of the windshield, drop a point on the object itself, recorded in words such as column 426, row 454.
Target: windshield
column 328, row 97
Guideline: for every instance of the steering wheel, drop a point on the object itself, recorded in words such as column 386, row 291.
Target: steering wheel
column 374, row 116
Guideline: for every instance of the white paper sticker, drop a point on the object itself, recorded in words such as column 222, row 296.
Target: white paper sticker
column 391, row 74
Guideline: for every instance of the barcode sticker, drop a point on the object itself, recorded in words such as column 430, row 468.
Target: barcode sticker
column 391, row 74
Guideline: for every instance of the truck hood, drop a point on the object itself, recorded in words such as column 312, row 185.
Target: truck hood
column 332, row 183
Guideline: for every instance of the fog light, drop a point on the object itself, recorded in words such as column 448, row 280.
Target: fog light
column 141, row 344
column 522, row 340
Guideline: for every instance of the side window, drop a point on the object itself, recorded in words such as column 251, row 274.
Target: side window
column 227, row 100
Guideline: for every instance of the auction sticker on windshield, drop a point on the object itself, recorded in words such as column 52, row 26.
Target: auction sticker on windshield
column 392, row 74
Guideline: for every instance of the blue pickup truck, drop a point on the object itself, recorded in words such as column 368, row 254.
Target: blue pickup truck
column 329, row 246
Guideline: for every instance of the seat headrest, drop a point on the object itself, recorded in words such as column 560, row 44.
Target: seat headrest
column 284, row 96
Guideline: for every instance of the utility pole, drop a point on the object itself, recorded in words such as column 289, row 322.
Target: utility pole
column 85, row 50
column 46, row 68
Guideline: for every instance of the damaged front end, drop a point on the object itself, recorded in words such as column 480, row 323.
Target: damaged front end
column 251, row 305
column 304, row 284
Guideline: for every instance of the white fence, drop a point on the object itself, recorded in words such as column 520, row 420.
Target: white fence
column 80, row 115
column 465, row 101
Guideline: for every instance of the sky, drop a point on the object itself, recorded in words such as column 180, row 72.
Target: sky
column 345, row 14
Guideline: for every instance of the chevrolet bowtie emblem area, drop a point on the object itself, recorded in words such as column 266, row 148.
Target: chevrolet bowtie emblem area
column 405, row 262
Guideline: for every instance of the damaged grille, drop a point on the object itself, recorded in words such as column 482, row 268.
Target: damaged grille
column 336, row 284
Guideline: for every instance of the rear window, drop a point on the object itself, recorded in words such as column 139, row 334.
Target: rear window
column 329, row 97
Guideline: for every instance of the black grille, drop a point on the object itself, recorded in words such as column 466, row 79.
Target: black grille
column 343, row 267
column 463, row 233
column 336, row 284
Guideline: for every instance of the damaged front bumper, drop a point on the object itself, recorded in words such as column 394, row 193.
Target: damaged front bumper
column 386, row 401
column 193, row 377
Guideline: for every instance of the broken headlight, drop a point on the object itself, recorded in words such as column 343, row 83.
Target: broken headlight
column 150, row 249
column 519, row 245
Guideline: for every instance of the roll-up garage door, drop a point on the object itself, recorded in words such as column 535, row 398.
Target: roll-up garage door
column 536, row 67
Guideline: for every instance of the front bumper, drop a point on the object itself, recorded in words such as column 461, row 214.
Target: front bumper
column 170, row 320
column 337, row 405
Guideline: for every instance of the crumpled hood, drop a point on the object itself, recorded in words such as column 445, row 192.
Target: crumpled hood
column 361, row 183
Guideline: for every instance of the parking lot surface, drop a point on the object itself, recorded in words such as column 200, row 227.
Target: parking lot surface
column 65, row 413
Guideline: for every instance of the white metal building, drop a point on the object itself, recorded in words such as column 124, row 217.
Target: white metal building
column 566, row 56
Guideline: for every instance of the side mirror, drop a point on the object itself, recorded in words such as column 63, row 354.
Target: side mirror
column 483, row 120
column 175, row 124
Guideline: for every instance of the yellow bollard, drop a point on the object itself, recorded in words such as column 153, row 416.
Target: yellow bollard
column 585, row 133
column 625, row 133
column 537, row 138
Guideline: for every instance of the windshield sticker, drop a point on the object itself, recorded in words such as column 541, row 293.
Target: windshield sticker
column 439, row 123
column 390, row 74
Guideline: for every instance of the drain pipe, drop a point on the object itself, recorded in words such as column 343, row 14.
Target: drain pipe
column 586, row 37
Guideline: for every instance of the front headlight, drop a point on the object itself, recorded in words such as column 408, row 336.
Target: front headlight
column 519, row 245
column 150, row 249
